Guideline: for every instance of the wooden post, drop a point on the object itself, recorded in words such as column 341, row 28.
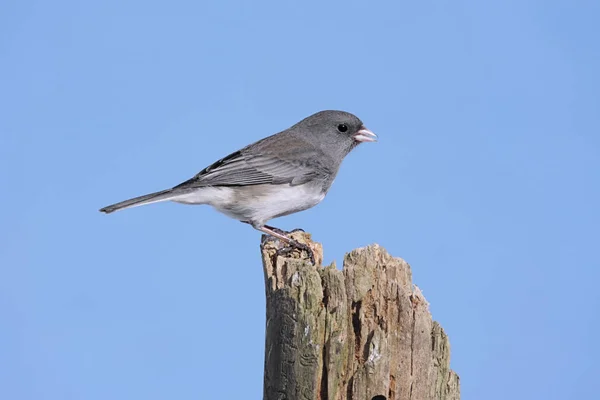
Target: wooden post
column 362, row 333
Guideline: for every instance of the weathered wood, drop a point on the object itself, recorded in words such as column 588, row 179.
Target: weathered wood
column 363, row 333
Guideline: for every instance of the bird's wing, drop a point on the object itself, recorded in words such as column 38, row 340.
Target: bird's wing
column 240, row 169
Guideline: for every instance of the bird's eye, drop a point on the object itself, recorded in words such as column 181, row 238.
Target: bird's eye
column 342, row 128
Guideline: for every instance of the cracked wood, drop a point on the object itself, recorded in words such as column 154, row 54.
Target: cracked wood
column 364, row 332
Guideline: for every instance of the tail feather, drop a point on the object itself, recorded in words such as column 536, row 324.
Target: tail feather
column 157, row 197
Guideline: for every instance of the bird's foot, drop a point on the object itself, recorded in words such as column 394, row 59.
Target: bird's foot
column 291, row 244
column 282, row 232
column 276, row 230
column 284, row 251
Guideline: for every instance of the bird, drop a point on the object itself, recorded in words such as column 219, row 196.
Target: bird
column 285, row 173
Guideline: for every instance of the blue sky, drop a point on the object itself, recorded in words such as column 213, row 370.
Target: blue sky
column 485, row 179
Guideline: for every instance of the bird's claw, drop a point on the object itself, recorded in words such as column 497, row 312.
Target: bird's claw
column 284, row 251
column 282, row 232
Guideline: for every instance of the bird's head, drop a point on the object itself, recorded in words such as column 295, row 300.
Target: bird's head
column 335, row 132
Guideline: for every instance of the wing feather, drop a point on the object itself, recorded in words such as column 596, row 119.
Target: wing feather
column 241, row 169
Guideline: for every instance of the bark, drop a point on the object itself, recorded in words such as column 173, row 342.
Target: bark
column 361, row 333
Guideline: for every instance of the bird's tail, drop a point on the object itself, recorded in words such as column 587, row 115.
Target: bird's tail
column 157, row 197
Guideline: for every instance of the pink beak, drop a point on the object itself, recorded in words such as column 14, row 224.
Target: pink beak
column 365, row 135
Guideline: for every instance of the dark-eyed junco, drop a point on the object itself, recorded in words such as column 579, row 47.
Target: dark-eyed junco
column 281, row 174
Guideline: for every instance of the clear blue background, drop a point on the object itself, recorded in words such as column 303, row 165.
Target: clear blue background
column 485, row 179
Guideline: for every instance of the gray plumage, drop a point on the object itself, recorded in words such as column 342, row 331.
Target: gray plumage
column 278, row 175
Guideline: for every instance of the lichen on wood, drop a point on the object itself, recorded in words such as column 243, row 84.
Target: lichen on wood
column 364, row 332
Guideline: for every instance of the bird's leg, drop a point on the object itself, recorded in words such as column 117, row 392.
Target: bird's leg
column 281, row 231
column 292, row 243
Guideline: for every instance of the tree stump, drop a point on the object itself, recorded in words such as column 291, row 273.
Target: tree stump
column 362, row 333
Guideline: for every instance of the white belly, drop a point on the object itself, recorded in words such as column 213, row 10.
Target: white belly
column 256, row 204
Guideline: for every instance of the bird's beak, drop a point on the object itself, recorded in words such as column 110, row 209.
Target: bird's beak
column 365, row 135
